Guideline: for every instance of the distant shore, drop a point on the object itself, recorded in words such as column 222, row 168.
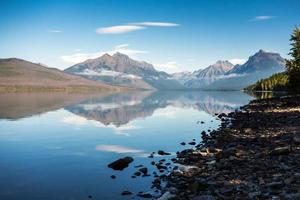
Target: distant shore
column 69, row 89
column 255, row 154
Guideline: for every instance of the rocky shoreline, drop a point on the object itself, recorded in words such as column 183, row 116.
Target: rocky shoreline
column 255, row 154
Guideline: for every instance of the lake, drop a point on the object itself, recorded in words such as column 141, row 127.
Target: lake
column 58, row 146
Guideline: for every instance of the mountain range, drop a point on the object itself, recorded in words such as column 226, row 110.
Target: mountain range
column 120, row 70
column 223, row 75
column 112, row 72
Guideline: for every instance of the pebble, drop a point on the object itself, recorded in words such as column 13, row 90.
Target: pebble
column 113, row 176
column 126, row 193
column 144, row 170
column 162, row 153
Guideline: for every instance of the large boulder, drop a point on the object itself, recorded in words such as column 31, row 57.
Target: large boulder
column 121, row 163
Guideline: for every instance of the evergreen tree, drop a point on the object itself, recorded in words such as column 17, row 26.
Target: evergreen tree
column 293, row 65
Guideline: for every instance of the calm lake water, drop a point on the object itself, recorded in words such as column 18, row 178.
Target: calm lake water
column 57, row 146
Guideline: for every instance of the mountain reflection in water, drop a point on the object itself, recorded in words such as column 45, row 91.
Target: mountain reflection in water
column 118, row 109
column 58, row 145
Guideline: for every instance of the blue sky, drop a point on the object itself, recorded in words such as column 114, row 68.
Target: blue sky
column 174, row 35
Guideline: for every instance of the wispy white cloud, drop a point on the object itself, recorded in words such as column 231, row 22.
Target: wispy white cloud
column 80, row 57
column 130, row 27
column 117, row 149
column 119, row 29
column 122, row 46
column 54, row 31
column 262, row 18
column 158, row 24
column 230, row 76
column 170, row 67
column 236, row 61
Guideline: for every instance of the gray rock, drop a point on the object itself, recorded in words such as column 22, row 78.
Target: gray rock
column 126, row 193
column 162, row 153
column 296, row 139
column 121, row 163
column 144, row 170
column 204, row 197
column 166, row 196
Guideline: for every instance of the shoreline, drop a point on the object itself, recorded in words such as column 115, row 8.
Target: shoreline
column 255, row 154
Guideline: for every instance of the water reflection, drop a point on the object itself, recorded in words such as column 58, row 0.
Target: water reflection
column 266, row 95
column 20, row 105
column 63, row 154
column 118, row 109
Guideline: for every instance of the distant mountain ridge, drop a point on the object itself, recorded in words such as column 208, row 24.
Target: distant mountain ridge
column 217, row 69
column 223, row 75
column 121, row 70
column 260, row 61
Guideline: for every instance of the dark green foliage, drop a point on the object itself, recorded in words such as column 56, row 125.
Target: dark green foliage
column 293, row 65
column 277, row 82
column 289, row 80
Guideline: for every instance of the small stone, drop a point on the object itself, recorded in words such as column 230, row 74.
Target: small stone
column 248, row 130
column 192, row 143
column 182, row 143
column 289, row 180
column 261, row 181
column 281, row 150
column 144, row 170
column 159, row 166
column 231, row 158
column 113, row 176
column 137, row 173
column 275, row 185
column 166, row 196
column 204, row 197
column 252, row 195
column 145, row 195
column 126, row 193
column 296, row 139
column 121, row 163
column 162, row 153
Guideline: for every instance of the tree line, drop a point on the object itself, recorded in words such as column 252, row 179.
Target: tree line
column 285, row 81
